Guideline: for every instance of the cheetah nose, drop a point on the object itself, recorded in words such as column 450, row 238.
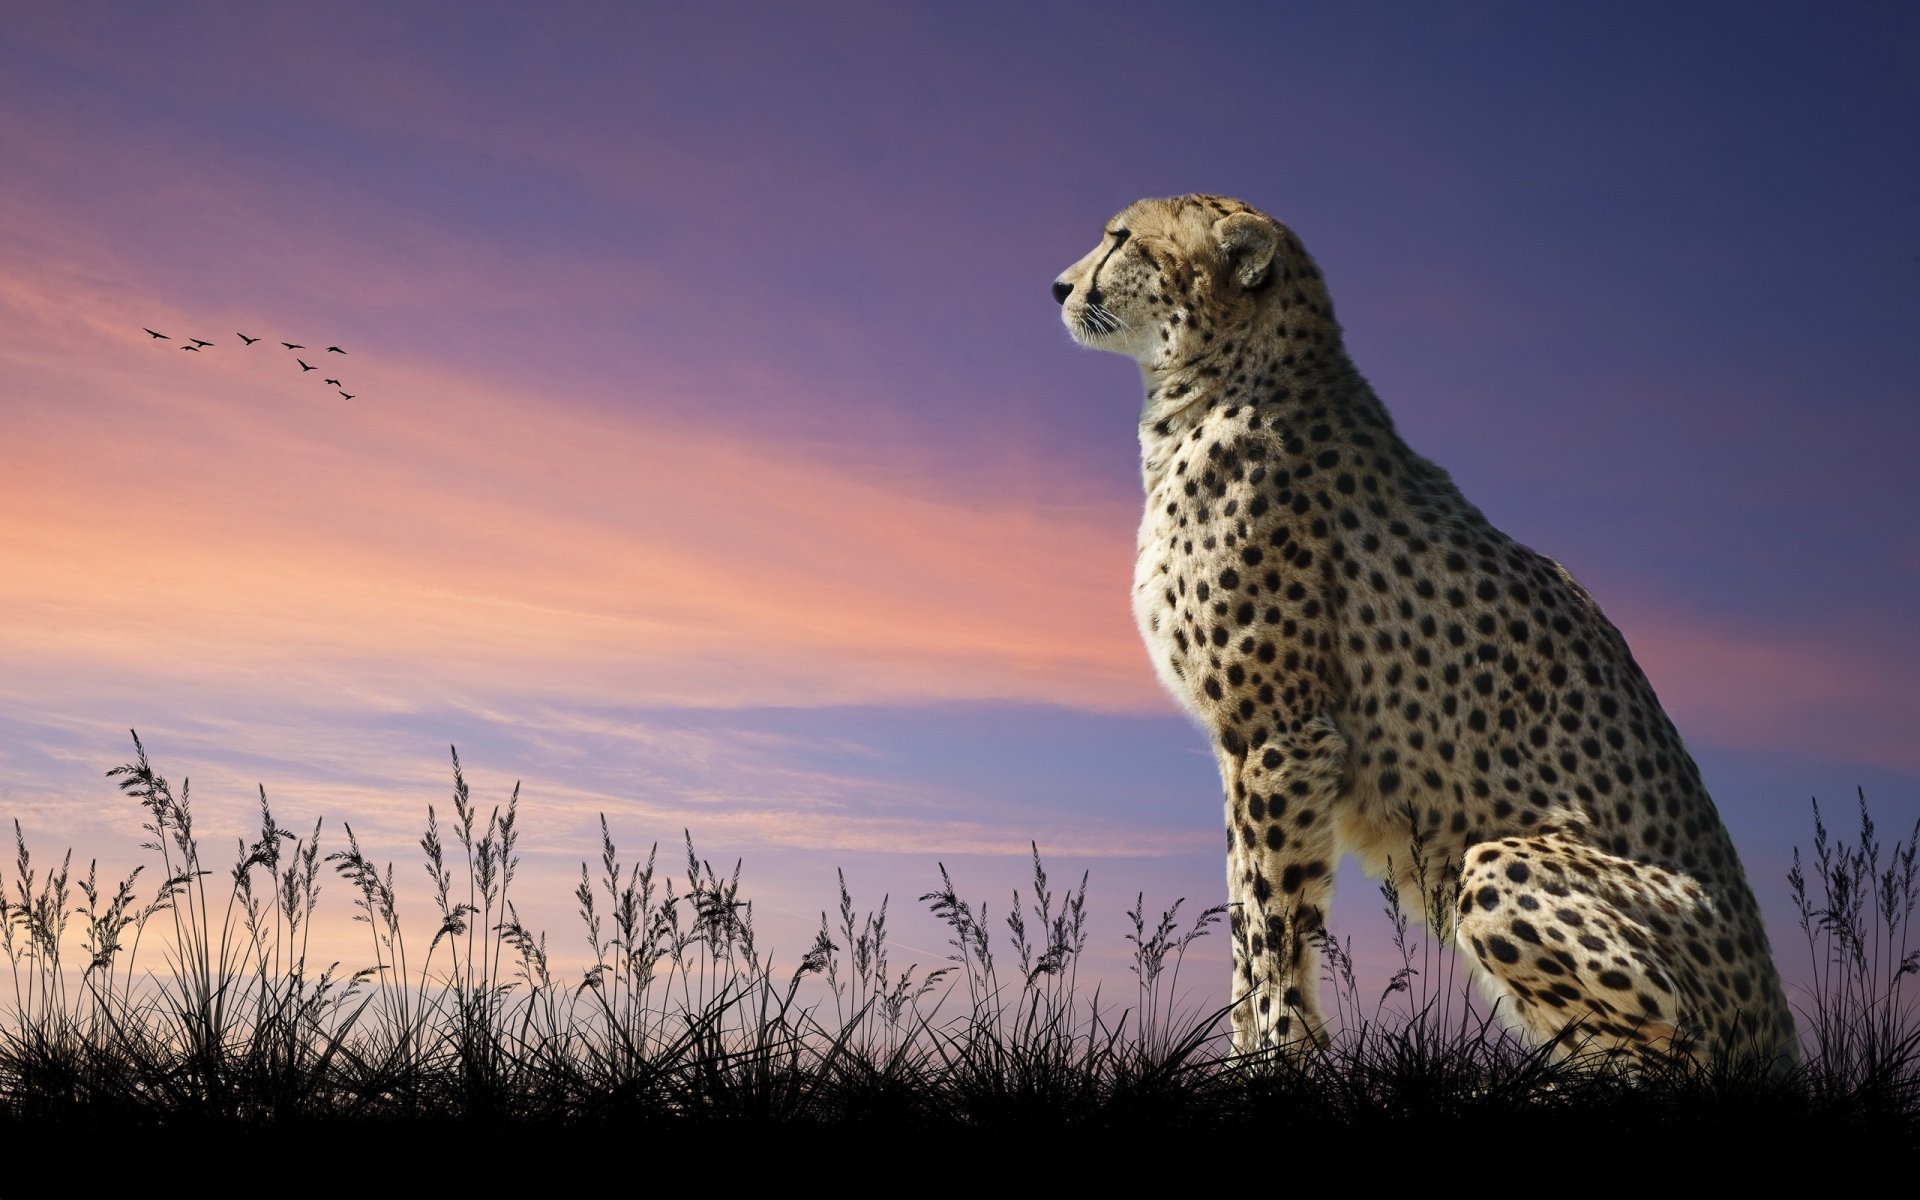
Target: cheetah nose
column 1061, row 290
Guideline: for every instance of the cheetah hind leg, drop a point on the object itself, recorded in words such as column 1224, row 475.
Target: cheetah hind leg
column 1560, row 930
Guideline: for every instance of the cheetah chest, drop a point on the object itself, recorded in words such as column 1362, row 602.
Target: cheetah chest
column 1157, row 599
column 1189, row 560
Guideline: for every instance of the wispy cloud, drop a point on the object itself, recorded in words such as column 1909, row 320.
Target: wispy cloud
column 1763, row 691
column 190, row 519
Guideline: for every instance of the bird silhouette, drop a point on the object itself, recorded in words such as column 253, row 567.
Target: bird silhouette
column 200, row 341
column 345, row 396
column 334, row 382
column 195, row 349
column 293, row 345
column 158, row 335
column 243, row 337
column 335, row 350
column 303, row 364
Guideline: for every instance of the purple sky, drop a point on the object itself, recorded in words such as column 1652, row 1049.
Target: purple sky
column 717, row 458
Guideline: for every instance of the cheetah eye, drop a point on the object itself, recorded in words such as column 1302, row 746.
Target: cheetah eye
column 1119, row 236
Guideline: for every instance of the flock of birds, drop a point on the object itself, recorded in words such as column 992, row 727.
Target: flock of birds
column 197, row 344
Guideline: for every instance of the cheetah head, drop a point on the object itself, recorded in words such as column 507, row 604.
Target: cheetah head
column 1171, row 278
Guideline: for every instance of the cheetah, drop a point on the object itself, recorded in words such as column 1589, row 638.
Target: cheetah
column 1385, row 674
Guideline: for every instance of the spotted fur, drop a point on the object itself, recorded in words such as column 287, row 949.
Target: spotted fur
column 1370, row 656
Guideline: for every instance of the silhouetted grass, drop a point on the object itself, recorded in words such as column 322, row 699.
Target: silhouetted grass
column 193, row 1004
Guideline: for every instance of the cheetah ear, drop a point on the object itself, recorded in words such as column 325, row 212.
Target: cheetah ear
column 1248, row 242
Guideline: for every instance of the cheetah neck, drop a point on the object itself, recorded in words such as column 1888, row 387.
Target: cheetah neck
column 1231, row 377
column 1174, row 400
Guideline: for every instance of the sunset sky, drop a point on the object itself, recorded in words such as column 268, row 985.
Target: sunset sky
column 717, row 460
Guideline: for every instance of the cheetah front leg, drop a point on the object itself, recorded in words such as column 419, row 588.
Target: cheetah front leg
column 1281, row 853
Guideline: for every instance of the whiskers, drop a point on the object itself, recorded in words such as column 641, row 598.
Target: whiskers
column 1097, row 320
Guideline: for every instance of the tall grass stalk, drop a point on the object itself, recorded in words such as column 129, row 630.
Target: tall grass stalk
column 194, row 996
column 1857, row 918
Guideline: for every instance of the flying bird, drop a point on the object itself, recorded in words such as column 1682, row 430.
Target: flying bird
column 335, row 350
column 195, row 349
column 345, row 396
column 243, row 337
column 293, row 345
column 200, row 341
column 334, row 382
column 158, row 335
column 303, row 364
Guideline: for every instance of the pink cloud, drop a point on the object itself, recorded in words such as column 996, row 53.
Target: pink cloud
column 202, row 515
column 1762, row 691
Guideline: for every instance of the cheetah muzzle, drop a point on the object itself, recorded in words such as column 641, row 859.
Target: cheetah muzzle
column 1377, row 664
